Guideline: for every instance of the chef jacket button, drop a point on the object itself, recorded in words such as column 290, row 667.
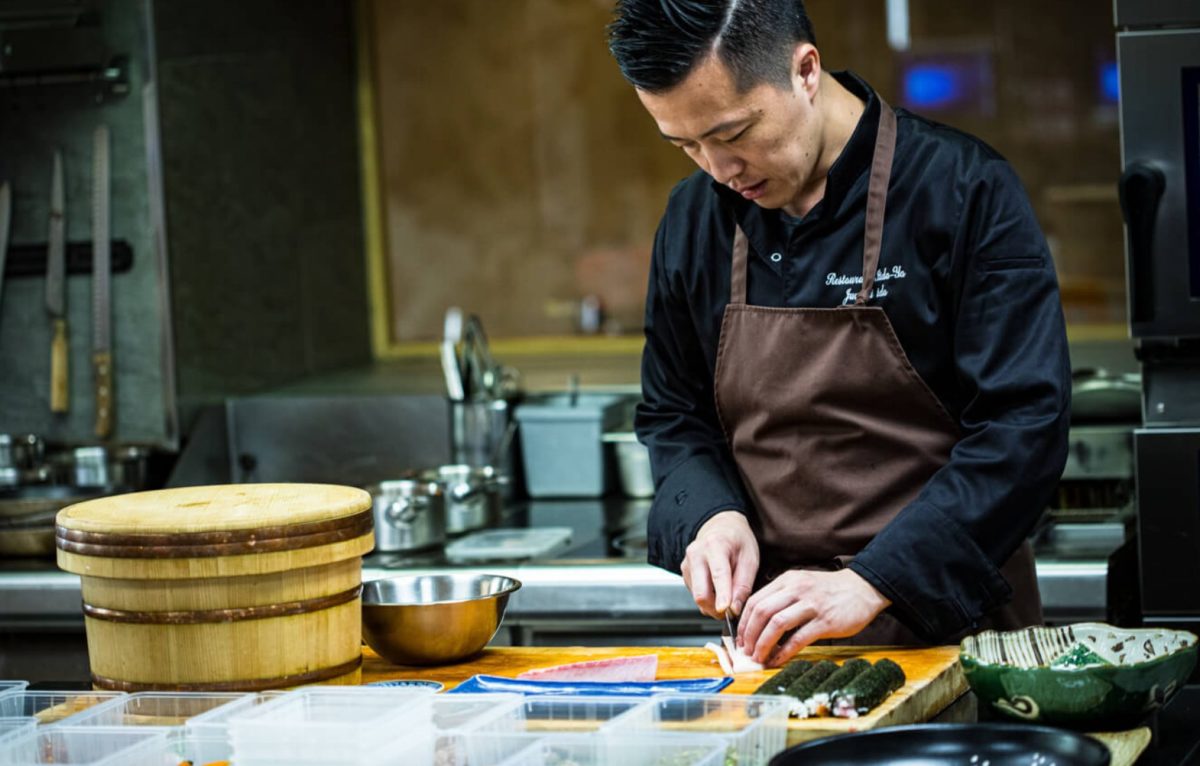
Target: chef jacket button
column 776, row 257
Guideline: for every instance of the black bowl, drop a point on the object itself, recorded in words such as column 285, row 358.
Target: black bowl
column 981, row 744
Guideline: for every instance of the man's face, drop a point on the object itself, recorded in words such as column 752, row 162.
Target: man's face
column 763, row 144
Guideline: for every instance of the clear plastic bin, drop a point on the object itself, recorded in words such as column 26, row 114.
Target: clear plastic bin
column 156, row 709
column 453, row 714
column 215, row 722
column 542, row 716
column 649, row 750
column 754, row 725
column 11, row 728
column 336, row 726
column 51, row 707
column 12, row 686
column 87, row 746
column 185, row 747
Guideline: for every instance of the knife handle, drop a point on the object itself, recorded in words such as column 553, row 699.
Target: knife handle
column 60, row 395
column 102, row 364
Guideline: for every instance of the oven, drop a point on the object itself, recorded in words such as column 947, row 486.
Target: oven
column 1158, row 52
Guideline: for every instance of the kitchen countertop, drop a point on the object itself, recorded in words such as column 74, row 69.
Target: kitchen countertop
column 1175, row 736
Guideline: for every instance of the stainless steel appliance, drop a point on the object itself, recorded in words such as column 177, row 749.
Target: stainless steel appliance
column 1158, row 48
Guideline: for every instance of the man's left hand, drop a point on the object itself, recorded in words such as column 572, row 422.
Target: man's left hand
column 807, row 605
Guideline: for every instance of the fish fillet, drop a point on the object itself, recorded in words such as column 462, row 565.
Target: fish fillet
column 643, row 667
column 732, row 659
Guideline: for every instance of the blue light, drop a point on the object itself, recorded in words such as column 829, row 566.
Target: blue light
column 932, row 86
column 1110, row 82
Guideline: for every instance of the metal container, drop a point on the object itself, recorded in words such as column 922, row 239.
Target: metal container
column 633, row 464
column 410, row 514
column 474, row 495
column 120, row 469
column 434, row 619
column 21, row 459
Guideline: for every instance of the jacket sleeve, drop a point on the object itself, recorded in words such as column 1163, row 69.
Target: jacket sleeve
column 694, row 473
column 938, row 560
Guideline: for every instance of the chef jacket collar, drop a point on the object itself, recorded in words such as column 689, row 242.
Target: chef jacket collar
column 763, row 227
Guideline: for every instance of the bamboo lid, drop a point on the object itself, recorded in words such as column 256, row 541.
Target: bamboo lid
column 172, row 532
column 221, row 508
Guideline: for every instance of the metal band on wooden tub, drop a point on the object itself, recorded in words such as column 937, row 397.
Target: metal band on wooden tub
column 233, row 614
column 251, row 685
column 210, row 544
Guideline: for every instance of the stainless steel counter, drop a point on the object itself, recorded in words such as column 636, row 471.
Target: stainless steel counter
column 582, row 593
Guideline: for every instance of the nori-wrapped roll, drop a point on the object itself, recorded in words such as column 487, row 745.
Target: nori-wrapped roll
column 867, row 691
column 803, row 686
column 778, row 683
column 817, row 703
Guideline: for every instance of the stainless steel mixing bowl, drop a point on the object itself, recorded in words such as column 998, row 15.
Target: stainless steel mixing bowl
column 434, row 619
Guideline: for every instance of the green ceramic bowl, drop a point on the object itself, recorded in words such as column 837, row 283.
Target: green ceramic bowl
column 1087, row 673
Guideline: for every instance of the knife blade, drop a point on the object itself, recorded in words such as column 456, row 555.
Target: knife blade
column 5, row 218
column 102, row 362
column 56, row 299
column 729, row 626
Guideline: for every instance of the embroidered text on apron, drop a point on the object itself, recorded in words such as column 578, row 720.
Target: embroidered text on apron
column 831, row 427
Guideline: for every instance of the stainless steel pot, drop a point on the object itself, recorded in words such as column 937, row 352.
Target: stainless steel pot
column 474, row 495
column 410, row 514
column 21, row 459
column 119, row 469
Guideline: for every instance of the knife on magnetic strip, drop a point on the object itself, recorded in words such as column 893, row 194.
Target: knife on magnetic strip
column 102, row 361
column 56, row 299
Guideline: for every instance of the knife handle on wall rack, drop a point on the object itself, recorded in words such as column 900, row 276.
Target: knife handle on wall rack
column 102, row 363
column 60, row 396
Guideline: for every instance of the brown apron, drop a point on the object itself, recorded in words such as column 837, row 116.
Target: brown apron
column 832, row 429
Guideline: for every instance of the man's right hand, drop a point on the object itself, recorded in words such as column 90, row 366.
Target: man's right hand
column 720, row 565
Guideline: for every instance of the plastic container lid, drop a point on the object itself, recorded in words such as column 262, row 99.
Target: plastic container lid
column 510, row 544
column 153, row 709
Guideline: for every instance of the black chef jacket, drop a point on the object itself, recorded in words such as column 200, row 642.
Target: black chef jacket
column 967, row 281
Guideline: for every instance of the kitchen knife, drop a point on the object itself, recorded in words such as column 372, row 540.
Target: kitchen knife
column 5, row 217
column 56, row 299
column 102, row 361
column 729, row 626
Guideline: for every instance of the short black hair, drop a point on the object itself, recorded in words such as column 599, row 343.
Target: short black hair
column 658, row 42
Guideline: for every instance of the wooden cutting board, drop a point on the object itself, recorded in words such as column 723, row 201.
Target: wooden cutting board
column 935, row 678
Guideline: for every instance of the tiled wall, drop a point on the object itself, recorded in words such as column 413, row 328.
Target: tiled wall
column 261, row 163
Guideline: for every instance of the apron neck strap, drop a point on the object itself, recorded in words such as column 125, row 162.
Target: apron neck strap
column 881, row 173
column 737, row 279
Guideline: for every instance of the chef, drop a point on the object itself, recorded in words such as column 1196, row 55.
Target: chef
column 855, row 376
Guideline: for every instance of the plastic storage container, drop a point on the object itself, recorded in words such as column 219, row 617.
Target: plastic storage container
column 11, row 728
column 87, row 746
column 182, row 746
column 12, row 686
column 561, row 443
column 754, row 725
column 452, row 715
column 51, row 707
column 593, row 750
column 336, row 727
column 492, row 740
column 215, row 722
column 155, row 709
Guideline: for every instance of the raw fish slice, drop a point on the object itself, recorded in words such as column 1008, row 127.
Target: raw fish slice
column 739, row 660
column 643, row 667
column 722, row 657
